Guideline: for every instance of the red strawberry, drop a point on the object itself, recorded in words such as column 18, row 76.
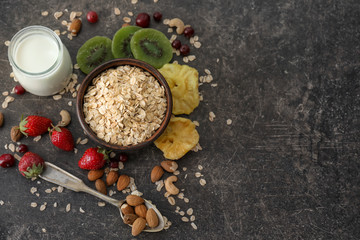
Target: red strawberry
column 62, row 138
column 34, row 125
column 31, row 165
column 93, row 158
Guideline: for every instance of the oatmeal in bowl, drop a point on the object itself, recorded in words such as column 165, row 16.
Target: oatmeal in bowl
column 124, row 104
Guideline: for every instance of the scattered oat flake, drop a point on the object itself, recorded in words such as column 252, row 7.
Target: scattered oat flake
column 33, row 204
column 202, row 182
column 214, row 85
column 211, row 116
column 197, row 174
column 55, row 204
column 2, row 202
column 170, row 30
column 7, row 43
column 171, row 200
column 78, row 14
column 33, row 190
column 57, row 32
column 75, row 150
column 196, row 123
column 42, row 207
column 207, row 71
column 37, row 138
column 57, row 97
column 130, row 14
column 69, row 36
column 200, row 167
column 194, row 225
column 43, row 230
column 84, row 141
column 117, row 11
column 182, row 213
column 229, row 122
column 155, row 1
column 57, row 15
column 37, row 194
column 68, row 207
column 48, row 190
column 60, row 189
column 76, row 66
column 72, row 16
column 12, row 147
column 177, row 172
column 121, row 165
column 197, row 44
column 127, row 19
column 53, row 189
column 63, row 32
column 9, row 99
column 64, row 22
column 166, row 21
column 134, row 1
column 185, row 59
column 101, row 204
column 17, row 157
column 186, row 200
column 191, row 58
column 81, row 210
column 184, row 169
column 190, row 211
column 192, row 218
column 112, row 155
column 44, row 13
column 185, row 219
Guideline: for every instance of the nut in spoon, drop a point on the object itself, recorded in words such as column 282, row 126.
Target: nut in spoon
column 54, row 174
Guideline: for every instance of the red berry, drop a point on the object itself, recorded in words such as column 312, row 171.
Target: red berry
column 94, row 158
column 34, row 125
column 123, row 157
column 143, row 20
column 189, row 32
column 92, row 17
column 23, row 148
column 7, row 160
column 31, row 165
column 62, row 138
column 176, row 44
column 114, row 164
column 184, row 50
column 19, row 90
column 157, row 16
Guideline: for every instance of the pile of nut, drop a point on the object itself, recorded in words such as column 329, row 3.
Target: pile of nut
column 138, row 215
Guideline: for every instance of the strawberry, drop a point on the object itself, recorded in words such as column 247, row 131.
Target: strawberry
column 31, row 165
column 62, row 138
column 94, row 158
column 34, row 125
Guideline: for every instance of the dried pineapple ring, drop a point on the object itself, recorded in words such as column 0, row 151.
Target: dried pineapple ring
column 179, row 137
column 183, row 82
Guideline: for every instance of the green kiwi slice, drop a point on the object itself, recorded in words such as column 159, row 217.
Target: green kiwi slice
column 121, row 42
column 151, row 46
column 93, row 53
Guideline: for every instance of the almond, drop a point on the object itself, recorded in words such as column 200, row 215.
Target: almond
column 141, row 210
column 138, row 226
column 123, row 182
column 152, row 218
column 95, row 174
column 75, row 26
column 169, row 166
column 112, row 177
column 1, row 119
column 100, row 186
column 156, row 173
column 127, row 209
column 129, row 218
column 15, row 134
column 134, row 200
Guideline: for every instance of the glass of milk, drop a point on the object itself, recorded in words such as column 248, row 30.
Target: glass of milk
column 40, row 61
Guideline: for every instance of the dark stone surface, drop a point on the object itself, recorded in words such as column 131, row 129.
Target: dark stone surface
column 287, row 167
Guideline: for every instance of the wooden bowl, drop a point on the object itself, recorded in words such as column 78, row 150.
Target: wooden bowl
column 113, row 64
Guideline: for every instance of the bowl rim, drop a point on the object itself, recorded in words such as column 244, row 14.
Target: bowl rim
column 113, row 64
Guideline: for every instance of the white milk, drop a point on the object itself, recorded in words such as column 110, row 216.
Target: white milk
column 40, row 62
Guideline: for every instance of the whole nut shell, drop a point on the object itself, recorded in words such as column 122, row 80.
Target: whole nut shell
column 156, row 173
column 100, row 186
column 1, row 119
column 152, row 218
column 112, row 177
column 123, row 182
column 141, row 210
column 75, row 26
column 134, row 200
column 138, row 226
column 15, row 134
column 129, row 218
column 95, row 174
column 127, row 209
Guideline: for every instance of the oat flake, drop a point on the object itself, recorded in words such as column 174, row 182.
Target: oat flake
column 194, row 226
column 229, row 122
column 185, row 219
column 134, row 1
column 44, row 13
column 192, row 218
column 68, row 207
column 202, row 182
column 171, row 200
column 42, row 207
column 60, row 189
column 7, row 43
column 33, row 204
column 117, row 11
column 37, row 138
column 81, row 210
column 127, row 19
column 2, row 202
column 189, row 211
column 101, row 204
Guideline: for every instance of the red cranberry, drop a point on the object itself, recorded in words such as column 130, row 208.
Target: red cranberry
column 189, row 32
column 114, row 164
column 143, row 20
column 7, row 160
column 184, row 50
column 19, row 90
column 92, row 17
column 23, row 148
column 123, row 157
column 157, row 16
column 176, row 44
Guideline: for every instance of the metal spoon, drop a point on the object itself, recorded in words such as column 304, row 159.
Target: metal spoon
column 54, row 174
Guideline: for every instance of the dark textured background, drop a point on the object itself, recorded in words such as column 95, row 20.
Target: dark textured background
column 288, row 166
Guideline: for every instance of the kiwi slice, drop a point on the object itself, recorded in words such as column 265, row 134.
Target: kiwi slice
column 93, row 53
column 121, row 42
column 151, row 46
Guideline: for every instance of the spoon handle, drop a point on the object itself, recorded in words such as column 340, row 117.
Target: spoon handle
column 54, row 174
